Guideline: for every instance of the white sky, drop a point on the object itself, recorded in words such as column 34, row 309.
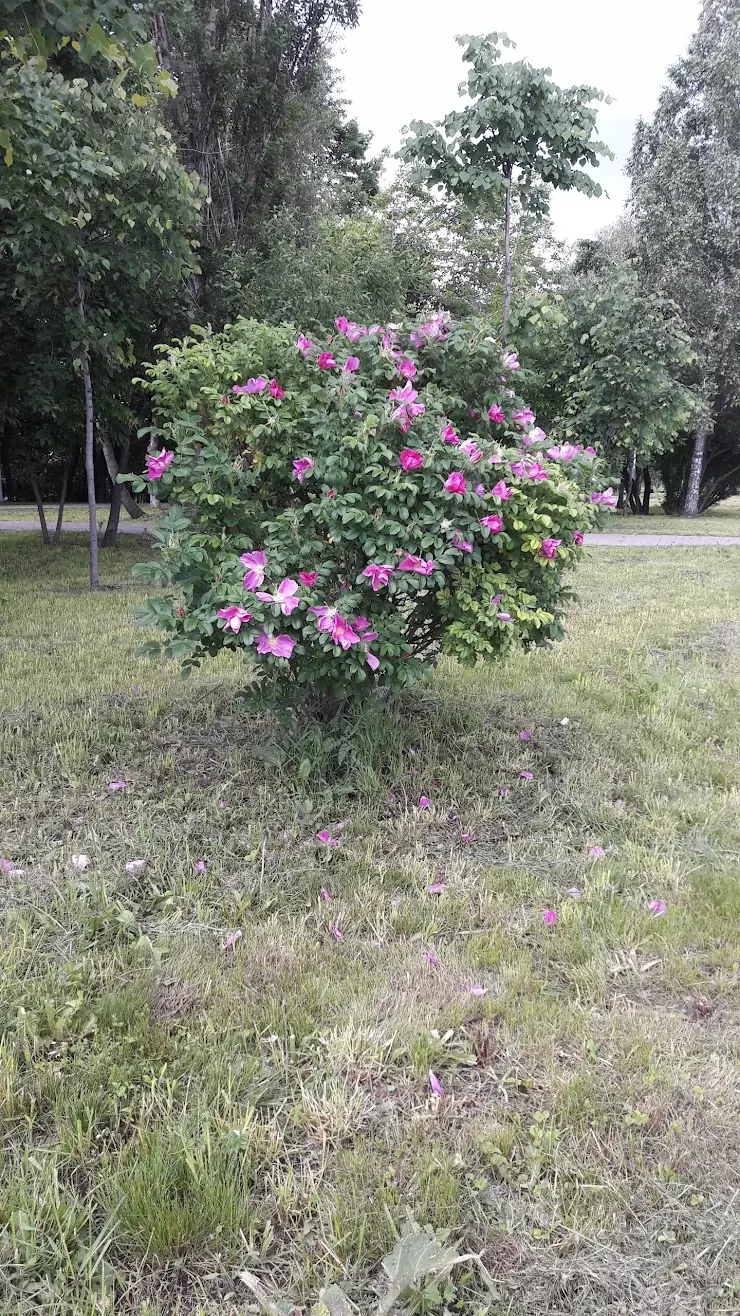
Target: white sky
column 403, row 63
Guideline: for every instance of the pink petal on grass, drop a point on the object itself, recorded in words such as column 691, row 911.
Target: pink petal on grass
column 477, row 990
column 200, row 865
column 551, row 917
column 136, row 865
column 431, row 959
column 337, row 935
column 232, row 939
column 7, row 865
column 326, row 895
column 117, row 785
column 437, row 888
column 466, row 836
column 435, row 1084
column 526, row 776
column 525, row 735
column 424, row 802
column 326, row 838
column 657, row 908
column 596, row 852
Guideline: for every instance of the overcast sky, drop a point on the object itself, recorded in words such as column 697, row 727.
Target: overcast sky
column 403, row 63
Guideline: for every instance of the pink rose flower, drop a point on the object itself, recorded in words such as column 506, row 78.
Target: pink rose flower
column 280, row 646
column 411, row 459
column 302, row 467
column 234, row 618
column 157, row 463
column 255, row 564
column 379, row 576
column 455, row 483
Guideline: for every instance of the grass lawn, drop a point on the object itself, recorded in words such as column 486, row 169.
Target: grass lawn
column 76, row 512
column 721, row 520
column 173, row 1112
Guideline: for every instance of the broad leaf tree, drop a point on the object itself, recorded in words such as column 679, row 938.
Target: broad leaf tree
column 257, row 120
column 519, row 137
column 685, row 171
column 605, row 362
column 98, row 217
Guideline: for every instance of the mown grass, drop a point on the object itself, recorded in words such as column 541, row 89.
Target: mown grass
column 73, row 512
column 172, row 1113
column 724, row 519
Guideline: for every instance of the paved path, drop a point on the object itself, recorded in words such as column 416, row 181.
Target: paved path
column 605, row 541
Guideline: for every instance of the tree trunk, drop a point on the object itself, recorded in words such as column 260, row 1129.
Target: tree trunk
column 125, row 495
column 69, row 466
column 647, row 490
column 691, row 505
column 39, row 504
column 89, row 446
column 5, row 463
column 117, row 497
column 507, row 260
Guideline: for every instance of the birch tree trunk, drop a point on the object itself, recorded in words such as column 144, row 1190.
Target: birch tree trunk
column 693, row 489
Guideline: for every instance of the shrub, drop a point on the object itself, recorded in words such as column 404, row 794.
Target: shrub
column 342, row 511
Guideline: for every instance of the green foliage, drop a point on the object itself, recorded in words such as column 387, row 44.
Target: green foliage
column 310, row 268
column 111, row 32
column 478, row 591
column 257, row 120
column 685, row 172
column 94, row 191
column 518, row 120
column 605, row 365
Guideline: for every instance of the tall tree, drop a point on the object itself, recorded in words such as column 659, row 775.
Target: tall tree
column 685, row 171
column 521, row 135
column 255, row 117
column 98, row 218
column 605, row 360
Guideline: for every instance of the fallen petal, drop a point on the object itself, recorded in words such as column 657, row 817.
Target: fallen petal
column 424, row 802
column 431, row 959
column 437, row 888
column 135, row 865
column 657, row 908
column 477, row 990
column 435, row 1084
column 232, row 939
column 326, row 894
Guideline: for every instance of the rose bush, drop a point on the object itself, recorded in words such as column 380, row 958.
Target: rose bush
column 343, row 510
